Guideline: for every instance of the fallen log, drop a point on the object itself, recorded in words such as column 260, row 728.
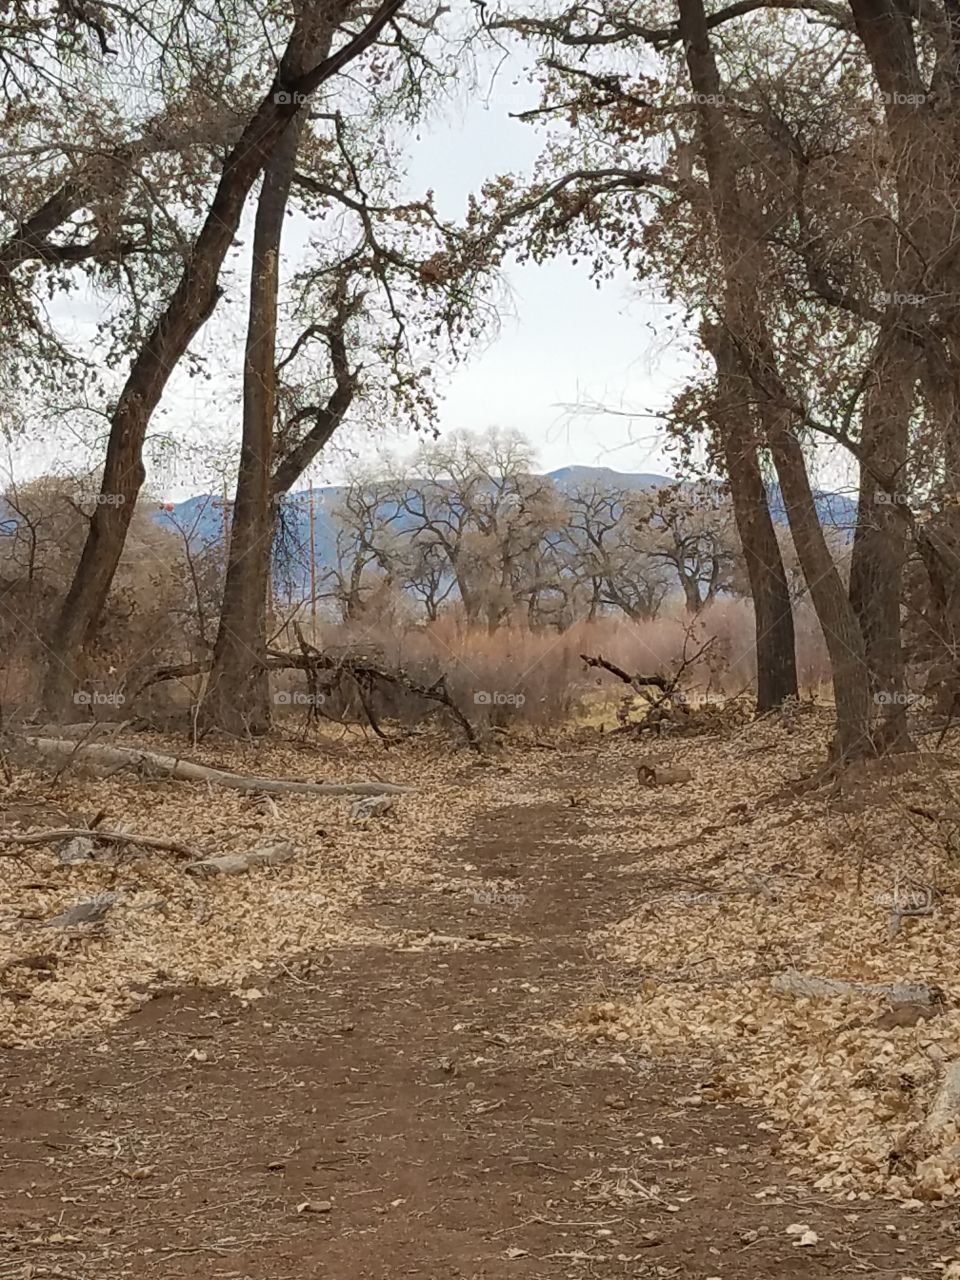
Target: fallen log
column 807, row 986
column 101, row 758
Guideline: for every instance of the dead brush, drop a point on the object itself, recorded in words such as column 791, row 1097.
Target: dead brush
column 666, row 706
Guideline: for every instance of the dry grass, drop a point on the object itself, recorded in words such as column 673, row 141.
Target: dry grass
column 539, row 676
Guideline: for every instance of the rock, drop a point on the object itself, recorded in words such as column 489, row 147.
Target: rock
column 372, row 807
column 314, row 1206
column 92, row 912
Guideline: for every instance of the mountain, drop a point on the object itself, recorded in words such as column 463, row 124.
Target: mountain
column 834, row 509
column 569, row 478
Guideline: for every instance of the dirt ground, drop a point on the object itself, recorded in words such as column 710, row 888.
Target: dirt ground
column 390, row 1111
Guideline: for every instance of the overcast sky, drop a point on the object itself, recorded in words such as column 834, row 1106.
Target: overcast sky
column 566, row 342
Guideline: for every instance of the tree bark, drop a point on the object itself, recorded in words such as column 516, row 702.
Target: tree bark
column 773, row 612
column 921, row 124
column 691, row 590
column 879, row 545
column 741, row 257
column 191, row 304
column 237, row 697
column 238, row 694
column 844, row 641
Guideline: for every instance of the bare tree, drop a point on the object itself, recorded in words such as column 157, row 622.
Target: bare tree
column 693, row 532
column 300, row 72
column 610, row 544
column 476, row 502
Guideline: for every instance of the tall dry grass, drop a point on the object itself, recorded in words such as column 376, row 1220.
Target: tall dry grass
column 539, row 676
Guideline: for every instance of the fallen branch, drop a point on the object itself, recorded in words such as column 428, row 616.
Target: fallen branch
column 638, row 682
column 669, row 687
column 807, row 986
column 103, row 758
column 273, row 854
column 365, row 676
column 313, row 661
column 97, row 834
column 179, row 671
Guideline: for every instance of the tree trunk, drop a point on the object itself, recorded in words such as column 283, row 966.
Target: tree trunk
column 851, row 686
column 879, row 545
column 921, row 129
column 742, row 259
column 691, row 591
column 938, row 539
column 773, row 612
column 237, row 698
column 192, row 303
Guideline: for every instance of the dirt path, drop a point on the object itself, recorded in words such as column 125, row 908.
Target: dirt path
column 396, row 1113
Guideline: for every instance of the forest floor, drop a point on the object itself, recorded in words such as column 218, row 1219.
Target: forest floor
column 523, row 1027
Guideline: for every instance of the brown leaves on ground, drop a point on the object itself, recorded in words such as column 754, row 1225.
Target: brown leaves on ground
column 168, row 928
column 729, row 878
column 738, row 881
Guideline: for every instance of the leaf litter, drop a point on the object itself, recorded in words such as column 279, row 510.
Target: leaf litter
column 278, row 880
column 741, row 877
column 737, row 878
